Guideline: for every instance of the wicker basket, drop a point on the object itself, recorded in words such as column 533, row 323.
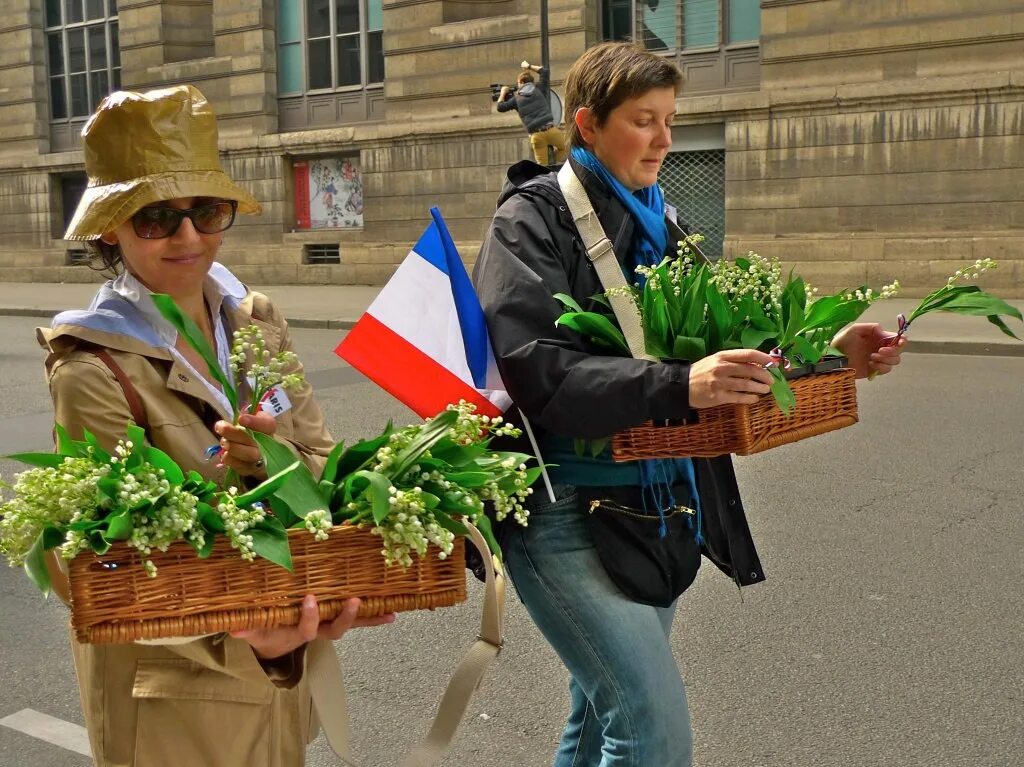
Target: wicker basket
column 113, row 600
column 824, row 402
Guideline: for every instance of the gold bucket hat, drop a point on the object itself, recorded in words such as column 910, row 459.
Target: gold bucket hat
column 142, row 148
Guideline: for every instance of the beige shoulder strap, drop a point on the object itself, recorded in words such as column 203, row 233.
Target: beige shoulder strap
column 601, row 255
column 328, row 689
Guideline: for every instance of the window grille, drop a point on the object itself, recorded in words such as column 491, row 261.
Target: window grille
column 694, row 183
column 322, row 254
column 77, row 257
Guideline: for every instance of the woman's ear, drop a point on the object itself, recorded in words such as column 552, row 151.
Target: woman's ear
column 585, row 122
column 109, row 238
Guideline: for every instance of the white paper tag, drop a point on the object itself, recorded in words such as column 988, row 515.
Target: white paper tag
column 274, row 401
column 671, row 213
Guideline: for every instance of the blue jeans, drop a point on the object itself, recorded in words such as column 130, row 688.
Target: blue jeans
column 627, row 695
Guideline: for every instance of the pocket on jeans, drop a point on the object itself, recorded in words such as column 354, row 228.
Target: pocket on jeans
column 565, row 498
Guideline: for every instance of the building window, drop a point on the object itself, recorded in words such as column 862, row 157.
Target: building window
column 329, row 45
column 328, row 193
column 694, row 183
column 701, row 24
column 83, row 59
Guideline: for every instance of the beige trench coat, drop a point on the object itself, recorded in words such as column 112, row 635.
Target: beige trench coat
column 208, row 702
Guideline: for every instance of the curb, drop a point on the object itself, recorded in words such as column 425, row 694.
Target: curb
column 970, row 348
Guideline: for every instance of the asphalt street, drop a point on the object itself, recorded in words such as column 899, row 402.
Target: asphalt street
column 888, row 632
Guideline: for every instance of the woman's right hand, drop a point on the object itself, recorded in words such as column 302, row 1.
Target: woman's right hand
column 735, row 377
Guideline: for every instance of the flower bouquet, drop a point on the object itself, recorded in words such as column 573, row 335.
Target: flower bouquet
column 690, row 308
column 152, row 551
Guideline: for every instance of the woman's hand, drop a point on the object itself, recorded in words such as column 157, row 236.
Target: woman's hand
column 241, row 452
column 268, row 644
column 863, row 342
column 732, row 377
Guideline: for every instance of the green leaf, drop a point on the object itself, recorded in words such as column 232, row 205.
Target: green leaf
column 752, row 338
column 206, row 549
column 450, row 524
column 299, row 492
column 597, row 446
column 596, row 327
column 780, row 390
column 483, row 524
column 271, row 543
column 688, row 348
column 379, row 487
column 45, row 460
column 806, row 350
column 429, row 434
column 195, row 338
column 458, row 455
column 99, row 455
column 160, row 460
column 568, row 302
column 995, row 320
column 209, row 518
column 357, row 456
column 98, row 542
column 579, row 446
column 719, row 320
column 469, row 478
column 35, row 559
column 66, row 445
column 267, row 487
column 119, row 527
column 330, row 472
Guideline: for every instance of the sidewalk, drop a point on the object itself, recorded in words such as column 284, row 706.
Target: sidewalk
column 339, row 306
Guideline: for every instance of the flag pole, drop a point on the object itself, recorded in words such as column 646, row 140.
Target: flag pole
column 536, row 452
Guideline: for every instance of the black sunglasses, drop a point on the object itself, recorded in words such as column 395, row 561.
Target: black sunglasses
column 155, row 223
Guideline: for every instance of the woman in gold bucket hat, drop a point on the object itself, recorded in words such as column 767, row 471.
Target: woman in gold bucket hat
column 155, row 211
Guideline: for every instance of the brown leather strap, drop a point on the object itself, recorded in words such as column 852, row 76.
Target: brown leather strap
column 130, row 392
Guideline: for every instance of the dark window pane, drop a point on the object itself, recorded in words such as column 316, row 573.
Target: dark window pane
column 319, row 64
column 100, row 87
column 53, row 13
column 375, row 56
column 58, row 101
column 72, row 11
column 617, row 20
column 112, row 7
column 55, row 48
column 76, row 50
column 71, row 190
column 346, row 13
column 97, row 47
column 79, row 96
column 94, row 9
column 117, row 80
column 115, row 51
column 349, row 71
column 318, row 18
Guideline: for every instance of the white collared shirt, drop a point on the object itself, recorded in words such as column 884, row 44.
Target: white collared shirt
column 219, row 285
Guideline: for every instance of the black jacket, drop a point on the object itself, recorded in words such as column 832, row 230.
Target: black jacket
column 562, row 382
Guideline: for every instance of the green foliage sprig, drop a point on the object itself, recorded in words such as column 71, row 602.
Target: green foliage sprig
column 82, row 498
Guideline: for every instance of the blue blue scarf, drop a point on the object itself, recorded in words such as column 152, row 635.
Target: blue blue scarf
column 646, row 206
column 650, row 239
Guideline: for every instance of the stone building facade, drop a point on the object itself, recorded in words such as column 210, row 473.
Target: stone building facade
column 857, row 140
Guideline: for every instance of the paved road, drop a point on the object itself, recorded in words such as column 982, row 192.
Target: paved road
column 888, row 632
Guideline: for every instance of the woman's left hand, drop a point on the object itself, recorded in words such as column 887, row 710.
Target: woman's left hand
column 863, row 342
column 241, row 452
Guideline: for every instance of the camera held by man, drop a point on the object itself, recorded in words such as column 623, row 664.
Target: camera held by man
column 531, row 100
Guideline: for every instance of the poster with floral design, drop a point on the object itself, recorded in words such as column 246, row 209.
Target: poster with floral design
column 328, row 193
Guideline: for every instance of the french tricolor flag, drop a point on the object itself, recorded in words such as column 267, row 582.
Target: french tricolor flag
column 424, row 338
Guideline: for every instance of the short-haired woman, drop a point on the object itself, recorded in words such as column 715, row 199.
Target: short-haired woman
column 628, row 700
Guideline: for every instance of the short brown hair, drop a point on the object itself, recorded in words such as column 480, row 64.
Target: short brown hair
column 526, row 76
column 609, row 74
